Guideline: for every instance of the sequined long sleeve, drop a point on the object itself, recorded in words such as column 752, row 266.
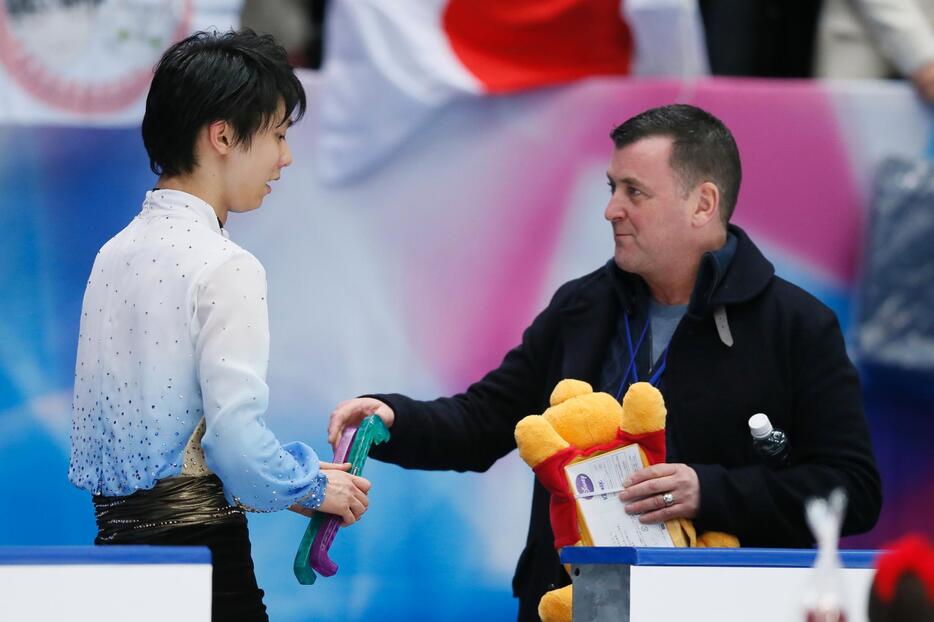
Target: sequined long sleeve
column 174, row 329
column 232, row 350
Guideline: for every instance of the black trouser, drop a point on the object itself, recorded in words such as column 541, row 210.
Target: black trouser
column 234, row 592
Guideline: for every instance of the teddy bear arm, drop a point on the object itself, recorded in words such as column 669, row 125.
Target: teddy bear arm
column 537, row 440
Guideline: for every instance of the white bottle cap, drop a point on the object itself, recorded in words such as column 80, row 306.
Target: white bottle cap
column 760, row 426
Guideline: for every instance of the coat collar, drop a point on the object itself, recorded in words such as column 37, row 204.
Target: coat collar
column 747, row 275
column 590, row 314
column 733, row 274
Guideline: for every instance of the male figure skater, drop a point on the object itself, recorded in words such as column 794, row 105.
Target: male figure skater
column 170, row 380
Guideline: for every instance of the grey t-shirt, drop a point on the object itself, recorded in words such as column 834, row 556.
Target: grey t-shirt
column 664, row 320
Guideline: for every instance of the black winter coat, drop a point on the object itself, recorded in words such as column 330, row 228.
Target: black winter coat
column 787, row 360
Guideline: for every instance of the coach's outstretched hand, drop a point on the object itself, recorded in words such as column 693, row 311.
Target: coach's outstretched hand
column 352, row 412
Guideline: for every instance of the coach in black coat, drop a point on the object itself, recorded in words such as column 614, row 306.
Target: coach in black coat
column 748, row 342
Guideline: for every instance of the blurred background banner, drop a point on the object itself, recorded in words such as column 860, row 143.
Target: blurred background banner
column 90, row 61
column 416, row 275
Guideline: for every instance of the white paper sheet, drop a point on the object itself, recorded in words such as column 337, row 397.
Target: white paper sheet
column 597, row 482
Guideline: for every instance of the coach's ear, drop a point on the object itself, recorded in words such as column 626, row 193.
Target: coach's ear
column 707, row 205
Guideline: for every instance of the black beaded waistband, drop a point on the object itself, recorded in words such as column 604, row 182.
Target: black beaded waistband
column 172, row 502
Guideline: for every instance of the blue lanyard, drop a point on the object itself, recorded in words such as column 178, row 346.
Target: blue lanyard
column 631, row 369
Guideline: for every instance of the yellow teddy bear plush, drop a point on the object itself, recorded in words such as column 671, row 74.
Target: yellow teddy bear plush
column 581, row 424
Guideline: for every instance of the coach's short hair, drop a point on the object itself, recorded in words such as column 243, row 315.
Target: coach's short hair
column 703, row 149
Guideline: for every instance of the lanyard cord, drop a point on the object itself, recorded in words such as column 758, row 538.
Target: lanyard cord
column 632, row 352
column 631, row 368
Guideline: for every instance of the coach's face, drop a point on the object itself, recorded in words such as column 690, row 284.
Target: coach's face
column 649, row 210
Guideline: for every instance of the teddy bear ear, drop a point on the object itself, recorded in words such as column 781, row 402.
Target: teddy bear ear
column 567, row 389
column 643, row 409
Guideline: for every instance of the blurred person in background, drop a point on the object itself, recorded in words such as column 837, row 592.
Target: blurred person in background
column 760, row 38
column 298, row 25
column 878, row 39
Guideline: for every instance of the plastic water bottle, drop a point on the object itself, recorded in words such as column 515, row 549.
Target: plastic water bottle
column 771, row 443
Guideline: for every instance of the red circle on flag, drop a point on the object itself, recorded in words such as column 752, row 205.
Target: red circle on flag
column 515, row 45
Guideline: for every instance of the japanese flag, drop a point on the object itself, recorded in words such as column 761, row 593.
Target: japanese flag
column 390, row 64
